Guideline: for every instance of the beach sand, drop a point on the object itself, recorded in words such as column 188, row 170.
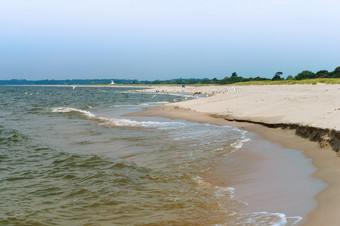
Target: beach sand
column 289, row 116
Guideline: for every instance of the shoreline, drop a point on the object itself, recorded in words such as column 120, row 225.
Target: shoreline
column 324, row 159
column 269, row 178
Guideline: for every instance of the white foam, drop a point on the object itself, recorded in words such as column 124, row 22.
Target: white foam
column 225, row 191
column 219, row 191
column 255, row 218
column 238, row 144
column 153, row 103
column 294, row 220
column 141, row 104
column 121, row 122
column 124, row 105
column 67, row 109
column 266, row 218
column 171, row 94
column 133, row 123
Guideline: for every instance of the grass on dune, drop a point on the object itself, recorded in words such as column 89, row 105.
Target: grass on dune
column 291, row 82
column 268, row 82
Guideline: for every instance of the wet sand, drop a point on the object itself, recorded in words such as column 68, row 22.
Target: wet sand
column 270, row 178
column 262, row 183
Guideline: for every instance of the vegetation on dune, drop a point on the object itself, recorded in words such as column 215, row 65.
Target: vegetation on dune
column 304, row 77
column 292, row 82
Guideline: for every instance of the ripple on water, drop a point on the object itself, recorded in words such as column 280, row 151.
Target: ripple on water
column 67, row 157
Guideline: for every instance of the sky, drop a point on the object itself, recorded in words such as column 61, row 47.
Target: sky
column 165, row 39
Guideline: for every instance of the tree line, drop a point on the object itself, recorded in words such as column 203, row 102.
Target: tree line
column 310, row 75
column 234, row 78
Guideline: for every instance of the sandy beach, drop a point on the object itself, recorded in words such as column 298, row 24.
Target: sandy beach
column 300, row 117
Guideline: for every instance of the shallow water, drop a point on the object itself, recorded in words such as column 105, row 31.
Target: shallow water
column 68, row 156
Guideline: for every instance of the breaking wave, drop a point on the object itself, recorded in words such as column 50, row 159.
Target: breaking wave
column 238, row 144
column 115, row 122
column 67, row 109
column 266, row 218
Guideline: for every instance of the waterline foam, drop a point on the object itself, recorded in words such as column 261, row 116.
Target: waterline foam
column 120, row 122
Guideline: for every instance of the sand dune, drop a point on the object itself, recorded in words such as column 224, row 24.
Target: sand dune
column 309, row 105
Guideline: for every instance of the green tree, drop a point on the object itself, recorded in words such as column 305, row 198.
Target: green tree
column 277, row 76
column 289, row 77
column 336, row 73
column 305, row 75
column 234, row 78
column 214, row 81
column 337, row 69
column 322, row 74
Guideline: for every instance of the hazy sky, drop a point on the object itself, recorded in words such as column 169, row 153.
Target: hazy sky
column 161, row 39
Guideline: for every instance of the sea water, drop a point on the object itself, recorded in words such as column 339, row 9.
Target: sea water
column 71, row 157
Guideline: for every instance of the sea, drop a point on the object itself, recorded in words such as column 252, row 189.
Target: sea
column 70, row 156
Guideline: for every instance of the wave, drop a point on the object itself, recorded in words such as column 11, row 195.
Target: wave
column 68, row 109
column 115, row 122
column 170, row 94
column 133, row 123
column 238, row 144
column 141, row 104
column 255, row 218
column 153, row 103
column 219, row 191
column 266, row 218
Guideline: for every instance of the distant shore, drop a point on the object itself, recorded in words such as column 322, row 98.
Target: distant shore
column 71, row 86
column 278, row 114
